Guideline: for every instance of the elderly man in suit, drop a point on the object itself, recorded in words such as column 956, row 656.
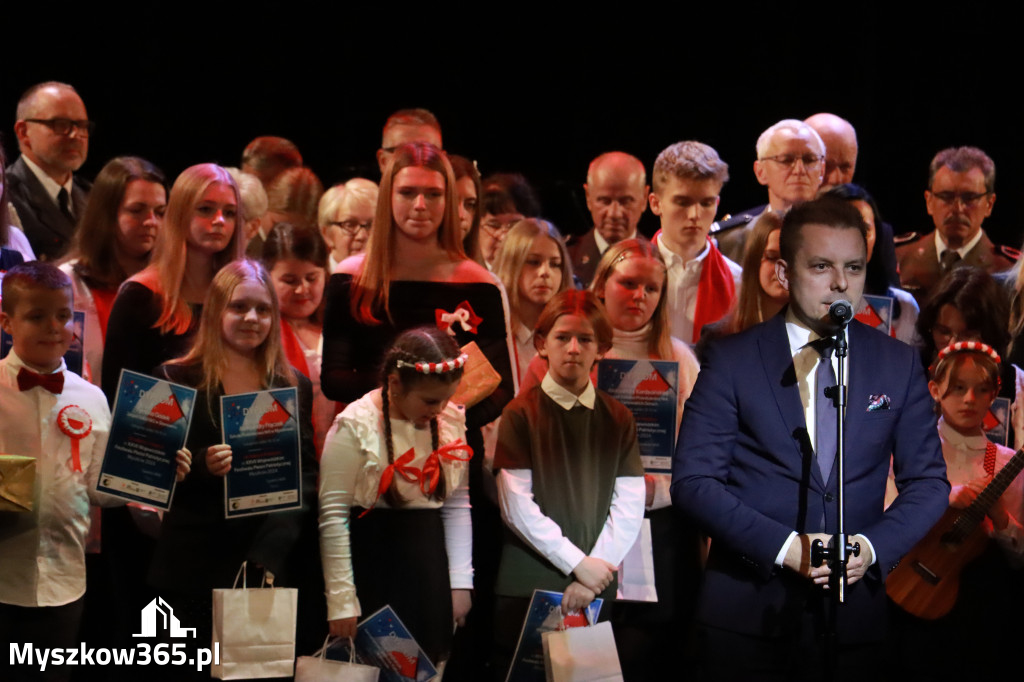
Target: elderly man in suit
column 53, row 135
column 616, row 191
column 755, row 467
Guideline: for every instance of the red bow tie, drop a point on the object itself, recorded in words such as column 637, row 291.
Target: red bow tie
column 27, row 379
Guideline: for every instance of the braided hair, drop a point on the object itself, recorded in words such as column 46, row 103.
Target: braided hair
column 421, row 344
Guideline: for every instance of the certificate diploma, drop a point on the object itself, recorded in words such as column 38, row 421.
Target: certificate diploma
column 262, row 429
column 150, row 424
column 650, row 389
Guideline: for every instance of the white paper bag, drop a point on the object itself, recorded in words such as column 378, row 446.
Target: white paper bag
column 636, row 572
column 318, row 668
column 581, row 655
column 255, row 628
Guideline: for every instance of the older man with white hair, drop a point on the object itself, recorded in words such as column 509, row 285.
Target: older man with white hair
column 791, row 164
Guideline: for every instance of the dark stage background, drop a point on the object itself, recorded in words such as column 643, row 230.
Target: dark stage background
column 520, row 90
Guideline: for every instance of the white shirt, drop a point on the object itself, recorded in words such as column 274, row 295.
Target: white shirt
column 49, row 184
column 965, row 462
column 17, row 241
column 355, row 456
column 524, row 517
column 42, row 553
column 525, row 350
column 682, row 285
column 940, row 245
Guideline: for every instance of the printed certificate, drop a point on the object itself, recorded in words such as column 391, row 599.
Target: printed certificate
column 150, row 424
column 650, row 389
column 262, row 429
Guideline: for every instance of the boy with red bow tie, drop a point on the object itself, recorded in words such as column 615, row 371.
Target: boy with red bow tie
column 62, row 421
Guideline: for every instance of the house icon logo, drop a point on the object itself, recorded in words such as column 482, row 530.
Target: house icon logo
column 158, row 615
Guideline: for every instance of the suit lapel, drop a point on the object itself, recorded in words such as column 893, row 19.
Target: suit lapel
column 45, row 212
column 778, row 366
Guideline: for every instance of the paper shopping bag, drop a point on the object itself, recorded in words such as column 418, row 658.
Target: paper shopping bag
column 479, row 378
column 255, row 629
column 581, row 655
column 318, row 668
column 17, row 482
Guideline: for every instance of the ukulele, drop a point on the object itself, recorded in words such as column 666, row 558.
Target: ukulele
column 927, row 580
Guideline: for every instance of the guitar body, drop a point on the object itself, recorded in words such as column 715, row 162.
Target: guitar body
column 927, row 580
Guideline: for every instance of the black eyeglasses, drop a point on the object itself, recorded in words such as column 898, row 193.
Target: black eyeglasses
column 64, row 126
column 351, row 225
column 968, row 199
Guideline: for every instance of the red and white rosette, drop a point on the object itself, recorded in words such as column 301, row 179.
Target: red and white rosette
column 75, row 423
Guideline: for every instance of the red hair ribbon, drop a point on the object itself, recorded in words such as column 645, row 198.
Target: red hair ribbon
column 401, row 466
column 456, row 451
column 463, row 314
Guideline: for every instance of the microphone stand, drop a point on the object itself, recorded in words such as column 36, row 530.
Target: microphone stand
column 839, row 550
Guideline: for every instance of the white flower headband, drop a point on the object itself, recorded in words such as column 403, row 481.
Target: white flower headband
column 436, row 367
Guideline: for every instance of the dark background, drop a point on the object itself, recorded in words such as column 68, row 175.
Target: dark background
column 520, row 89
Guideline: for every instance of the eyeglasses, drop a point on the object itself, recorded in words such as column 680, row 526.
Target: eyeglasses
column 810, row 161
column 64, row 126
column 968, row 199
column 496, row 228
column 351, row 225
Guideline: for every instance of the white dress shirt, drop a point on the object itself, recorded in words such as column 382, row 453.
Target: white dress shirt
column 50, row 185
column 42, row 553
column 522, row 514
column 682, row 285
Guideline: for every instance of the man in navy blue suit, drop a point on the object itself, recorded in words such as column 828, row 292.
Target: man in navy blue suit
column 746, row 468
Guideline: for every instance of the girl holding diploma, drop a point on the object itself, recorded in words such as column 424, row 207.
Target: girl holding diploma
column 393, row 491
column 237, row 350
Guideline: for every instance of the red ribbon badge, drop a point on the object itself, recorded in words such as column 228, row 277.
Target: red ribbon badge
column 75, row 423
column 453, row 452
column 463, row 314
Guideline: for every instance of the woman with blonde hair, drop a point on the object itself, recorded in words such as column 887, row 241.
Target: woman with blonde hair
column 157, row 310
column 534, row 266
column 345, row 216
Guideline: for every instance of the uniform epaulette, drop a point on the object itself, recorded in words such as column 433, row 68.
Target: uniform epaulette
column 1008, row 252
column 906, row 238
column 732, row 221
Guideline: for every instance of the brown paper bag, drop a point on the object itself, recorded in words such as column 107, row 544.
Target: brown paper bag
column 479, row 379
column 17, row 482
column 585, row 654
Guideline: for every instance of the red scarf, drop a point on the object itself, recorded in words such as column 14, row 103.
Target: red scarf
column 293, row 349
column 715, row 292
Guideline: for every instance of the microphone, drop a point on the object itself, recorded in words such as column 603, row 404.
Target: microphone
column 840, row 312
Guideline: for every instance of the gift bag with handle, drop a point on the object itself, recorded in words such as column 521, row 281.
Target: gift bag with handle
column 255, row 629
column 319, row 668
column 585, row 654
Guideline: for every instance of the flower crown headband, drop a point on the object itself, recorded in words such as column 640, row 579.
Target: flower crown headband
column 435, row 367
column 965, row 346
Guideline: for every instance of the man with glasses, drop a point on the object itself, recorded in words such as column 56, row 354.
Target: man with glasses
column 960, row 195
column 791, row 164
column 53, row 135
column 616, row 192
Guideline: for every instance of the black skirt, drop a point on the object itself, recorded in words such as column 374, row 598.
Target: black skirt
column 399, row 559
